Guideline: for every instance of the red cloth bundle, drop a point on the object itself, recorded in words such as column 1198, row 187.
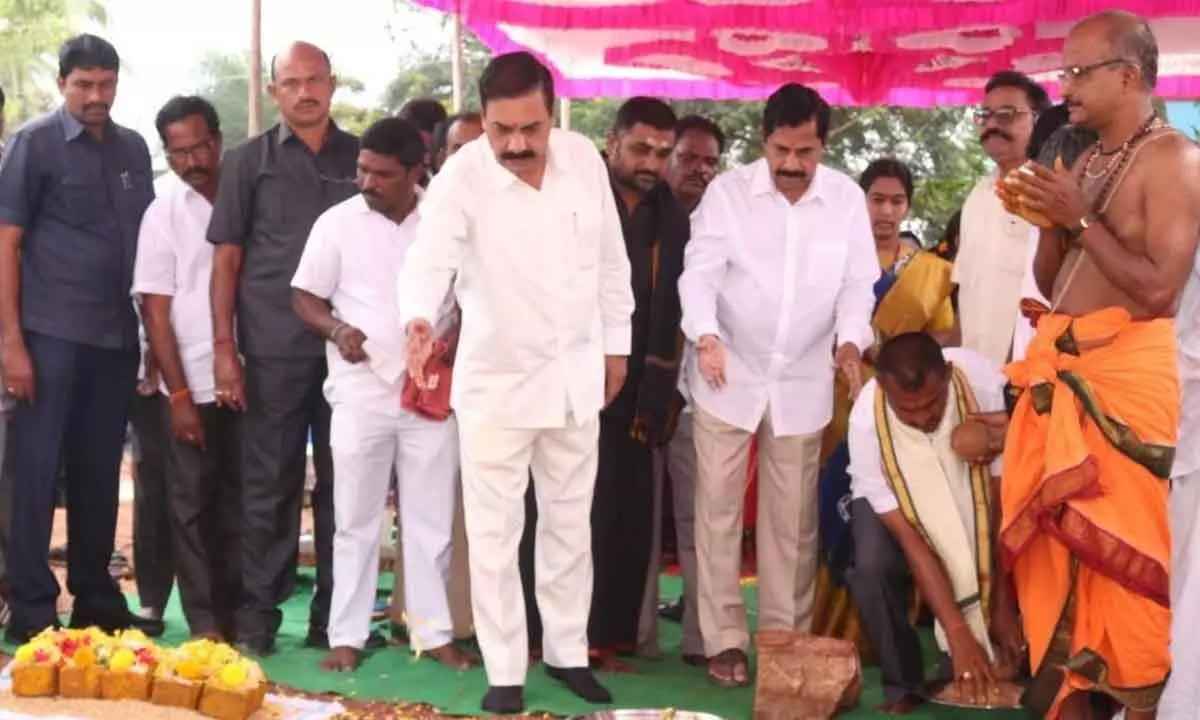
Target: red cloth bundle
column 433, row 403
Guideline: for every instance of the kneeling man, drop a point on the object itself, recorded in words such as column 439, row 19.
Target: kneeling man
column 345, row 289
column 925, row 437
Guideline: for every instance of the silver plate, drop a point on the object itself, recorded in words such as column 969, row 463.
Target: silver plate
column 649, row 714
column 935, row 688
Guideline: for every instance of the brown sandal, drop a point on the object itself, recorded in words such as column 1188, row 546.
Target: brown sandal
column 729, row 668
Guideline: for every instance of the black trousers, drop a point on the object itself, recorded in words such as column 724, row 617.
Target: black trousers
column 154, row 562
column 881, row 584
column 80, row 415
column 284, row 403
column 204, row 501
column 622, row 531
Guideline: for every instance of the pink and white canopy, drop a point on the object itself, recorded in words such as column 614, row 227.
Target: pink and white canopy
column 857, row 52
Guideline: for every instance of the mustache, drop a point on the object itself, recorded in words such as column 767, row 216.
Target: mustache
column 995, row 132
column 371, row 194
column 792, row 174
column 696, row 178
column 95, row 106
column 522, row 155
column 197, row 174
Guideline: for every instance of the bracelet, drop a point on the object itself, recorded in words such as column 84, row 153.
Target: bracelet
column 223, row 341
column 337, row 329
column 180, row 393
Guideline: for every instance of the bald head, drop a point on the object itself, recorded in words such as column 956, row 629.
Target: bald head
column 1128, row 36
column 302, row 86
column 299, row 52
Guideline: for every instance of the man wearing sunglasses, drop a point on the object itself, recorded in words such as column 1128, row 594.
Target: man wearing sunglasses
column 994, row 245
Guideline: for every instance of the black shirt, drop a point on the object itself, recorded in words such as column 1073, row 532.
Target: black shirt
column 273, row 188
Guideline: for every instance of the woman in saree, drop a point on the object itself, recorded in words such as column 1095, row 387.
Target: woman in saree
column 911, row 295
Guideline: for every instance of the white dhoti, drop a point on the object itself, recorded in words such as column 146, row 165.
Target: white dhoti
column 496, row 463
column 1181, row 697
column 366, row 446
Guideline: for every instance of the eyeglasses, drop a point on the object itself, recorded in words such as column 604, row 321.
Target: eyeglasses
column 1002, row 115
column 199, row 150
column 1078, row 72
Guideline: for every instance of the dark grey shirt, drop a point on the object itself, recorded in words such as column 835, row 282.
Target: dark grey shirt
column 79, row 200
column 272, row 191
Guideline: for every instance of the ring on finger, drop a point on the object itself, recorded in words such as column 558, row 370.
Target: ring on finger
column 967, row 675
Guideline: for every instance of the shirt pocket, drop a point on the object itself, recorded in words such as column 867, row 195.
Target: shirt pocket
column 586, row 227
column 137, row 191
column 83, row 202
column 271, row 199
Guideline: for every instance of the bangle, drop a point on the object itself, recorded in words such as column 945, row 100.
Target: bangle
column 337, row 329
column 222, row 341
column 180, row 393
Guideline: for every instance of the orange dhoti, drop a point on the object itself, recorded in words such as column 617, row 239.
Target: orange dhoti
column 1084, row 495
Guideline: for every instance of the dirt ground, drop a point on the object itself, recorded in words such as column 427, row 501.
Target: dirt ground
column 124, row 544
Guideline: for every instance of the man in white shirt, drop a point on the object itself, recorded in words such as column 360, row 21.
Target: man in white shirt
column 171, row 276
column 993, row 245
column 526, row 228
column 345, row 290
column 923, row 503
column 776, row 294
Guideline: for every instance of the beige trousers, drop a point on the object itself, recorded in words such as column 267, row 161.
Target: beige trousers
column 786, row 534
column 458, row 589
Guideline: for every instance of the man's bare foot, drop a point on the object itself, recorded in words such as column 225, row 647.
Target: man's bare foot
column 609, row 663
column 450, row 656
column 340, row 659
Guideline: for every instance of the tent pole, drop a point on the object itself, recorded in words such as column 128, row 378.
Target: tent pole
column 254, row 124
column 456, row 64
column 564, row 113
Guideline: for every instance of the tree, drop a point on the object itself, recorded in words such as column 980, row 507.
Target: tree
column 427, row 75
column 937, row 144
column 226, row 84
column 31, row 32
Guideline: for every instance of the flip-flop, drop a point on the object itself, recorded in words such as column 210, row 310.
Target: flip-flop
column 725, row 667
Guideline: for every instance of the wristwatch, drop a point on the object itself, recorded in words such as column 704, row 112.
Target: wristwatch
column 1085, row 223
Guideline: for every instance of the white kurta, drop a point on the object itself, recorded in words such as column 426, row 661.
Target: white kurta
column 543, row 280
column 939, row 481
column 867, row 478
column 352, row 258
column 993, row 255
column 174, row 259
column 1024, row 330
column 1182, row 695
column 780, row 284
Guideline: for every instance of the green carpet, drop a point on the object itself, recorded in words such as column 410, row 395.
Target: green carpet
column 394, row 675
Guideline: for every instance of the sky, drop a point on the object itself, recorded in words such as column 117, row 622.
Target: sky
column 162, row 43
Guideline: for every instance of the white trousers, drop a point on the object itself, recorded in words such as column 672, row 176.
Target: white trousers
column 366, row 445
column 1181, row 698
column 496, row 463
